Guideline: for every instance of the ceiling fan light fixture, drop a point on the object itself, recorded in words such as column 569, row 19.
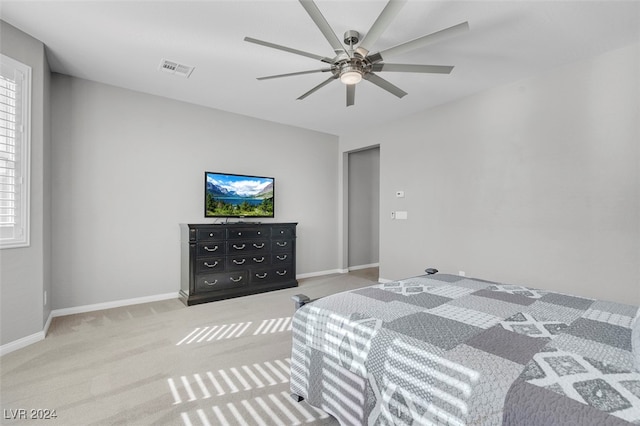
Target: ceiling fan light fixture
column 351, row 77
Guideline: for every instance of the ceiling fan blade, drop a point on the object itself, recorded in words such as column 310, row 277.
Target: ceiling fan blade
column 432, row 69
column 351, row 94
column 288, row 49
column 319, row 86
column 420, row 42
column 380, row 25
column 323, row 25
column 384, row 84
column 293, row 73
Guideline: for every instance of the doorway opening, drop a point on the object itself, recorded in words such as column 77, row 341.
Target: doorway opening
column 363, row 211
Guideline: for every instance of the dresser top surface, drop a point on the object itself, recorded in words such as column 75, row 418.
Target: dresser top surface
column 236, row 224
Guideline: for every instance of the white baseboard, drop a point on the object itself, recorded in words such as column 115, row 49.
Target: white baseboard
column 21, row 343
column 320, row 273
column 336, row 271
column 40, row 335
column 45, row 329
column 357, row 267
column 115, row 304
column 384, row 280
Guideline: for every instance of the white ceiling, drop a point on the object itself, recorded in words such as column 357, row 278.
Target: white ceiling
column 122, row 43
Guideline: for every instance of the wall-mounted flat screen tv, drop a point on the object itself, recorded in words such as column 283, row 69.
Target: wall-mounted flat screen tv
column 231, row 195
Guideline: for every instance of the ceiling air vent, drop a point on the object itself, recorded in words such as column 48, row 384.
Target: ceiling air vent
column 173, row 67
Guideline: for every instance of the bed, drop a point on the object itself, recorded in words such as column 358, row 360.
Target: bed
column 445, row 349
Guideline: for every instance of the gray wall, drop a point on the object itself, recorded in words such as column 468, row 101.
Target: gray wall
column 534, row 183
column 129, row 167
column 25, row 272
column 364, row 206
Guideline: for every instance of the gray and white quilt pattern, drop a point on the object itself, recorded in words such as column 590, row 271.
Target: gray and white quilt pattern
column 449, row 350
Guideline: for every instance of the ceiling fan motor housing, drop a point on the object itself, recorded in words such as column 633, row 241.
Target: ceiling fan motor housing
column 355, row 64
column 351, row 37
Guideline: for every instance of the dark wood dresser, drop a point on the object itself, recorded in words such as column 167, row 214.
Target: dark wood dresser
column 235, row 259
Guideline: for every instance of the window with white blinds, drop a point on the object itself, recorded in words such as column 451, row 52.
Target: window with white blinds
column 15, row 84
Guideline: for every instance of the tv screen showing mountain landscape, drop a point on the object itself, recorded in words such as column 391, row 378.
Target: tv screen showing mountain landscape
column 228, row 195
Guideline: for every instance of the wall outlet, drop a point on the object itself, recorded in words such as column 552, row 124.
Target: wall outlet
column 400, row 194
column 461, row 273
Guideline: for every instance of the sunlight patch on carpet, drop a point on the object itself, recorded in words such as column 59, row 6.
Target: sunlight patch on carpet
column 271, row 409
column 228, row 331
column 275, row 325
column 231, row 380
column 217, row 332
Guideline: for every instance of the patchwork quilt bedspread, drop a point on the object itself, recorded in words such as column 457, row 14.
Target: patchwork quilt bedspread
column 444, row 349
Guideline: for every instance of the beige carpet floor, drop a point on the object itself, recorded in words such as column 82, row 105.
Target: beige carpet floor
column 161, row 363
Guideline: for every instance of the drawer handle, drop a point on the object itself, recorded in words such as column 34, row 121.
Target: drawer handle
column 281, row 243
column 237, row 280
column 211, row 249
column 211, row 266
column 262, row 276
column 208, row 283
column 255, row 259
column 258, row 245
column 283, row 257
column 239, row 262
column 239, row 247
column 282, row 273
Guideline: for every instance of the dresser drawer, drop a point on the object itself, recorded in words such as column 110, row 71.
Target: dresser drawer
column 248, row 233
column 281, row 245
column 281, row 259
column 283, row 232
column 270, row 275
column 253, row 246
column 205, row 234
column 282, row 273
column 257, row 276
column 213, row 282
column 243, row 262
column 210, row 248
column 209, row 264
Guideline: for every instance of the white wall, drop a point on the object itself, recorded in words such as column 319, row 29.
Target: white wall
column 533, row 183
column 25, row 272
column 129, row 167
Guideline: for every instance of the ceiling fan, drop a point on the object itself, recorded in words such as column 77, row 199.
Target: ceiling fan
column 353, row 64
